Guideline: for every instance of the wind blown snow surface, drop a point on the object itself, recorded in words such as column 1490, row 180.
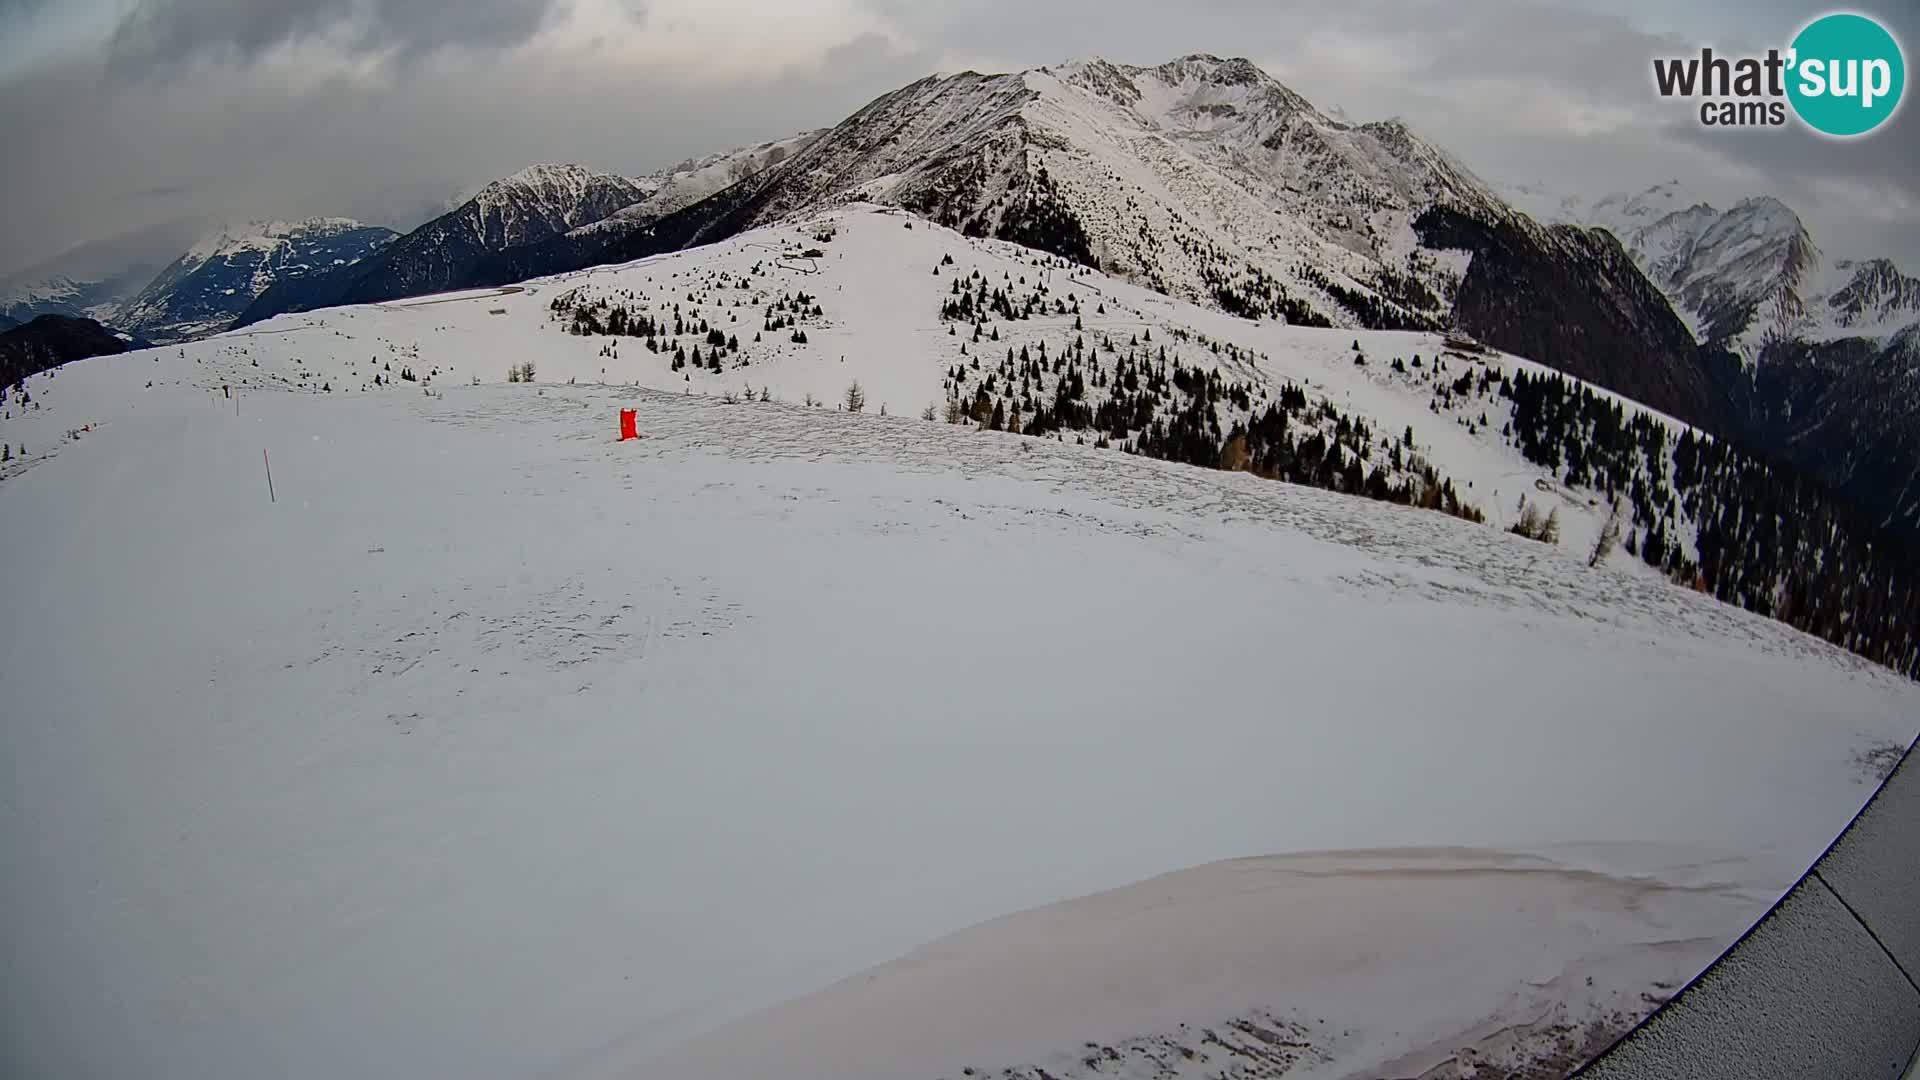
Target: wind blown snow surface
column 495, row 747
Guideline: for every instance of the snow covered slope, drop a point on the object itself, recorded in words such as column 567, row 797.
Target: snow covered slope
column 489, row 745
column 1500, row 965
column 206, row 288
column 934, row 323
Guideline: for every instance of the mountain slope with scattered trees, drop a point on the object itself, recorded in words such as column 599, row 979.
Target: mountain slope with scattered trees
column 52, row 340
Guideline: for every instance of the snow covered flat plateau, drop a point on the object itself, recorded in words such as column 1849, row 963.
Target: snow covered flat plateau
column 497, row 748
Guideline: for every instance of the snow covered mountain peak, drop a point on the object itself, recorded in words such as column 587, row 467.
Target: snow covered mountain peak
column 1751, row 275
column 232, row 237
column 1645, row 207
column 1737, row 274
column 561, row 195
column 542, row 199
column 215, row 280
column 546, row 175
column 1200, row 177
column 1192, row 95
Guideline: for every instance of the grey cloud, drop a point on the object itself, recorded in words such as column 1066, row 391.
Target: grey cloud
column 90, row 133
column 15, row 9
column 1887, row 160
column 159, row 34
column 1861, row 197
column 159, row 191
column 240, row 145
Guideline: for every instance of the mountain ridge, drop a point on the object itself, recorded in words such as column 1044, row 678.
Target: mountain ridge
column 537, row 203
column 209, row 285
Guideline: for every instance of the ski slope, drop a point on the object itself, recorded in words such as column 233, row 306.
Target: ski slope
column 494, row 747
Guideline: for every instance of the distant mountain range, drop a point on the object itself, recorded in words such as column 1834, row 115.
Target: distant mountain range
column 207, row 288
column 534, row 205
column 22, row 299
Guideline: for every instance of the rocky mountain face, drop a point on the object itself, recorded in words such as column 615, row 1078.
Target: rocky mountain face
column 527, row 207
column 204, row 290
column 536, row 203
column 1752, row 276
column 1741, row 276
column 1875, row 294
column 51, row 340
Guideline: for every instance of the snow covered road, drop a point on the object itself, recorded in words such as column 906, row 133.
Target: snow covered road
column 495, row 748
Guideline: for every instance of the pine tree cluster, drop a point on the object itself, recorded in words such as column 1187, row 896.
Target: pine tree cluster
column 972, row 299
column 1147, row 400
column 623, row 314
column 1042, row 220
column 1373, row 312
column 1256, row 294
column 1751, row 533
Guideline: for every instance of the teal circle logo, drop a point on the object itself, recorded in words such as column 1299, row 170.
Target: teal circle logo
column 1847, row 75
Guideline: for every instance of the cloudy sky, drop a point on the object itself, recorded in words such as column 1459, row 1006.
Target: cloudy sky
column 158, row 115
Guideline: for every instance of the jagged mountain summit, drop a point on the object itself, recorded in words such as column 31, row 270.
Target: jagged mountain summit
column 1202, row 177
column 1751, row 276
column 213, row 282
column 679, row 186
column 1738, row 275
column 1876, row 294
column 531, row 205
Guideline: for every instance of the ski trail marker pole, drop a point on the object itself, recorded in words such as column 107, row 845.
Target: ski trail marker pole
column 264, row 460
